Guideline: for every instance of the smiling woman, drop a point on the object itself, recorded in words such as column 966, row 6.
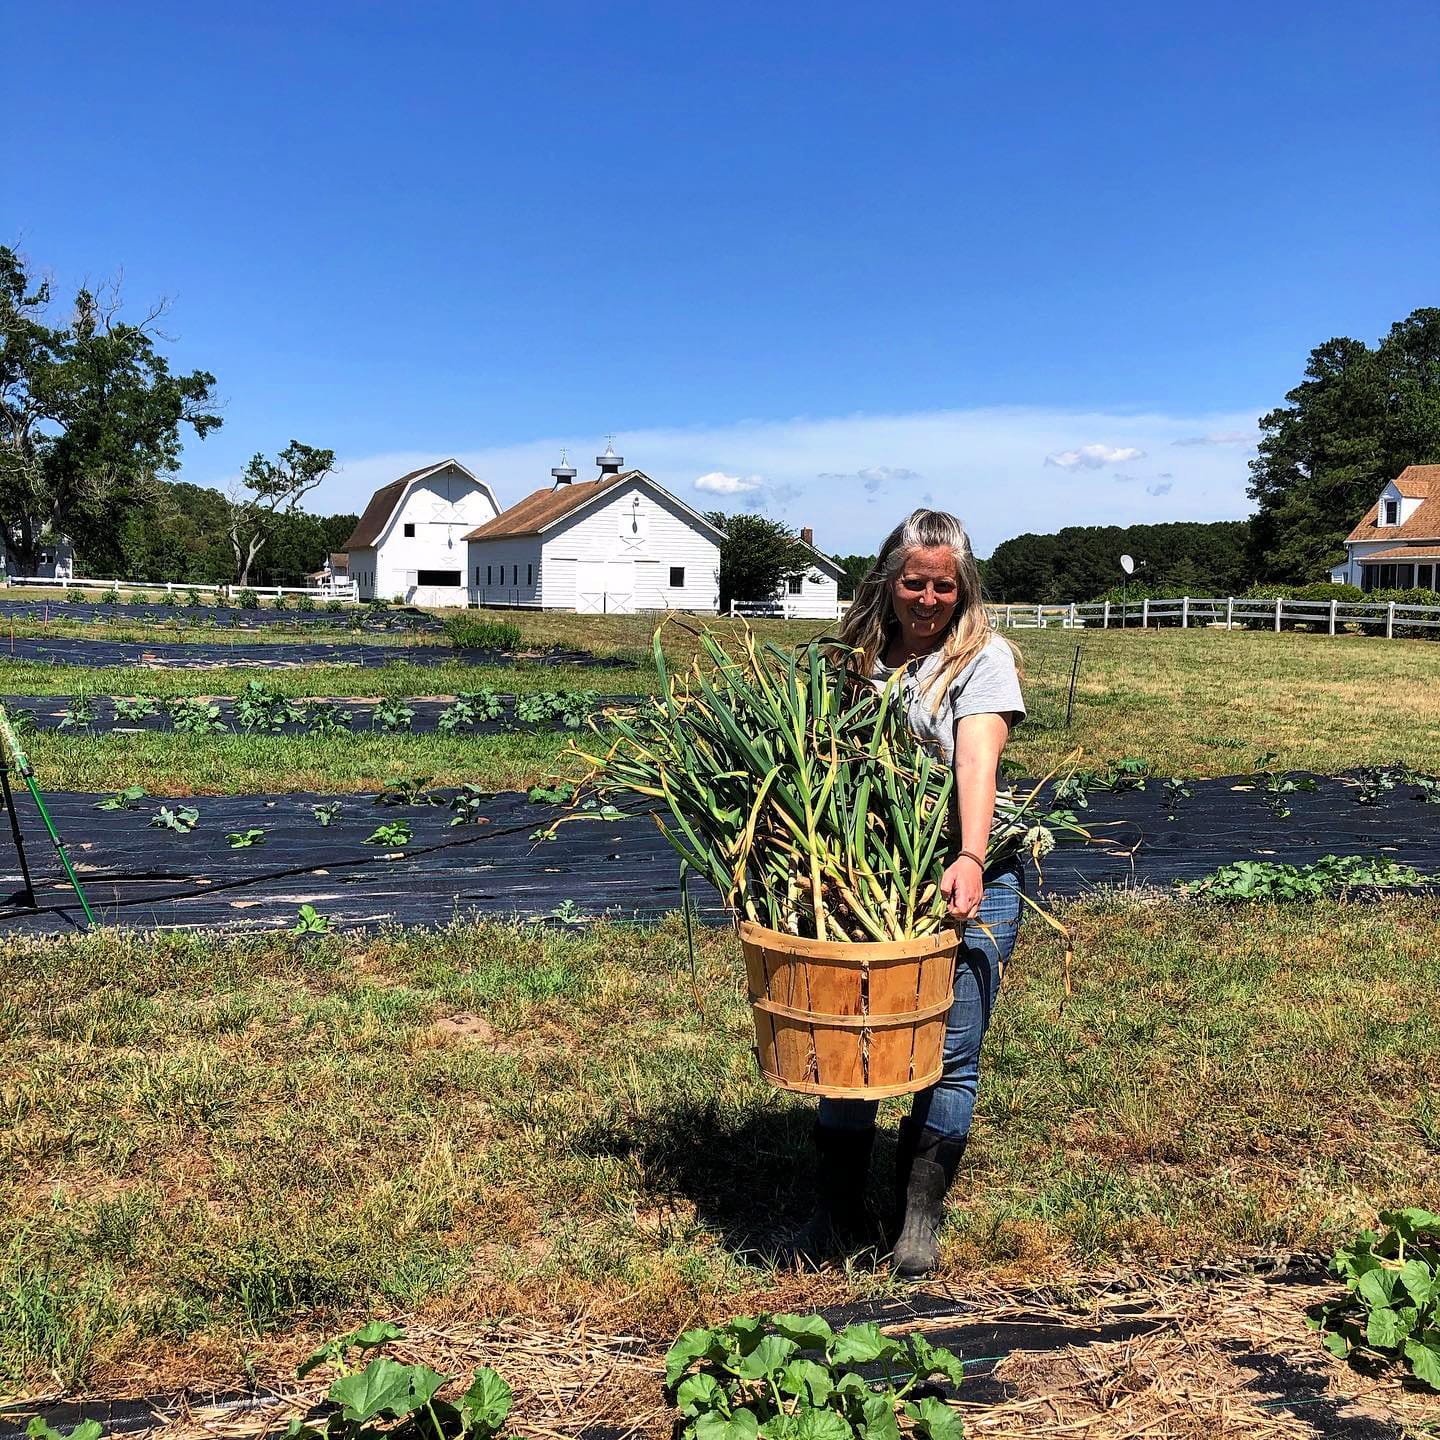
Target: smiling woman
column 919, row 623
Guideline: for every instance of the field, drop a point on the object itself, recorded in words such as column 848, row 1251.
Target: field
column 217, row 1150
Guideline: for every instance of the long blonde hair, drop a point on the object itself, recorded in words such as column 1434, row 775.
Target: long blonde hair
column 870, row 622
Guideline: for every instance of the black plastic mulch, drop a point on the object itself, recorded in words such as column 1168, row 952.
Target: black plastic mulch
column 150, row 878
column 48, row 711
column 399, row 620
column 67, row 650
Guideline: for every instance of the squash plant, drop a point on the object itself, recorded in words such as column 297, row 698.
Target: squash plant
column 793, row 1377
column 1392, row 1311
column 386, row 1398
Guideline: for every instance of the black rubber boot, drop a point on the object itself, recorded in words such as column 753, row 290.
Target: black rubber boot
column 926, row 1166
column 841, row 1221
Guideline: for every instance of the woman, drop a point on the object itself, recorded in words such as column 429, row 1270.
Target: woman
column 920, row 610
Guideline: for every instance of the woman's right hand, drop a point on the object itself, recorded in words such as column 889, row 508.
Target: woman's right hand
column 962, row 887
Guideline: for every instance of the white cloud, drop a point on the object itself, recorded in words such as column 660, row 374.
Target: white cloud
column 1094, row 457
column 717, row 482
column 984, row 465
column 1160, row 487
column 1223, row 437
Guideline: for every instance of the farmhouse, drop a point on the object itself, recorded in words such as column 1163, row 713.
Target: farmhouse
column 410, row 542
column 814, row 594
column 612, row 545
column 1397, row 545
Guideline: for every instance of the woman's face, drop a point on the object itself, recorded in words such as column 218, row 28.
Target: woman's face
column 924, row 593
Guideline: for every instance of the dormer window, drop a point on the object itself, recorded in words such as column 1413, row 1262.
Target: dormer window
column 1392, row 512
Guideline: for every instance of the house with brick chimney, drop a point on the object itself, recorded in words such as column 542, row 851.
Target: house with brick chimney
column 813, row 594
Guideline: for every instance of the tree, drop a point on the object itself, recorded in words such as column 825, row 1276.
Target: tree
column 856, row 568
column 1358, row 419
column 90, row 415
column 276, row 488
column 757, row 555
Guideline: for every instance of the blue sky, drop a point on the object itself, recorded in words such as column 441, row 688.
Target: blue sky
column 830, row 259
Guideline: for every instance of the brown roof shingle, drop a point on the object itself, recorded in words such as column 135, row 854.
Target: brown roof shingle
column 1419, row 551
column 1415, row 482
column 377, row 512
column 543, row 507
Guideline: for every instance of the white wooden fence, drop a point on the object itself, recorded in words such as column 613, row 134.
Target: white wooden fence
column 1331, row 616
column 344, row 590
column 787, row 607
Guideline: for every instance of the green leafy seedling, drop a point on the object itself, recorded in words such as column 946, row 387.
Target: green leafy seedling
column 127, row 799
column 244, row 839
column 182, row 820
column 396, row 833
column 560, row 793
column 324, row 814
column 311, row 922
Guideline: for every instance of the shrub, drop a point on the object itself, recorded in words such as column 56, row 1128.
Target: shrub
column 334, row 607
column 470, row 632
column 169, row 598
column 279, row 603
column 192, row 598
column 247, row 599
column 305, row 603
column 138, row 598
column 75, row 596
column 111, row 596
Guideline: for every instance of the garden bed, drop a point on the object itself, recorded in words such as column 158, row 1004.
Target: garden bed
column 68, row 650
column 349, row 617
column 145, row 876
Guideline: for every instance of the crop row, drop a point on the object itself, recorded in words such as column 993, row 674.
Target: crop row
column 259, row 710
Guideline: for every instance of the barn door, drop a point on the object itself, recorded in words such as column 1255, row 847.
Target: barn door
column 620, row 587
column 589, row 587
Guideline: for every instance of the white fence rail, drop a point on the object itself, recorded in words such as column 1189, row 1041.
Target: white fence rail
column 786, row 608
column 1224, row 612
column 344, row 590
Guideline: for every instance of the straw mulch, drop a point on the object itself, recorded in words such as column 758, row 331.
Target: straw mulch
column 1229, row 1357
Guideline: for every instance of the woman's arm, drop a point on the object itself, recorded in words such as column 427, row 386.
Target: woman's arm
column 979, row 739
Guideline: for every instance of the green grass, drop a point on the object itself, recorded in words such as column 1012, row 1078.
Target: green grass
column 208, row 1143
column 1195, row 703
column 169, row 764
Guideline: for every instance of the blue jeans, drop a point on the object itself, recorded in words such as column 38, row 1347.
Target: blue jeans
column 946, row 1107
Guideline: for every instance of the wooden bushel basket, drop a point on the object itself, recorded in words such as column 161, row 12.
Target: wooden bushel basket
column 849, row 1021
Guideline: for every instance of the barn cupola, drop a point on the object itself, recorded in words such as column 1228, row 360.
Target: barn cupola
column 563, row 473
column 609, row 462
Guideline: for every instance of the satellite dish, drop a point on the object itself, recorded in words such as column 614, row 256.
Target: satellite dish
column 1127, row 564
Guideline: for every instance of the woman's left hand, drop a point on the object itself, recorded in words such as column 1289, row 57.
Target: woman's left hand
column 962, row 887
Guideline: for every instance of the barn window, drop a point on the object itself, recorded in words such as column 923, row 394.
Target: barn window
column 1392, row 512
column 410, row 530
column 514, row 574
column 477, row 574
column 437, row 577
column 677, row 577
column 530, row 574
column 489, row 578
column 796, row 582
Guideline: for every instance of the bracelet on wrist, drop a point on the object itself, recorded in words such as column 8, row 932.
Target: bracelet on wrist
column 971, row 855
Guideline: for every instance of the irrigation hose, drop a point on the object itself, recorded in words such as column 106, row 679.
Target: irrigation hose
column 10, row 742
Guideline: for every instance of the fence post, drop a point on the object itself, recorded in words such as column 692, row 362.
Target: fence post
column 1105, row 623
column 1229, row 612
column 1278, row 603
column 1390, row 620
column 1185, row 613
column 1008, row 622
column 1039, row 619
column 1145, row 613
column 732, row 607
column 1334, row 606
column 1074, row 618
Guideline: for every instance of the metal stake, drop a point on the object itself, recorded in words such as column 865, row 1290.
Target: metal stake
column 1074, row 674
column 22, row 766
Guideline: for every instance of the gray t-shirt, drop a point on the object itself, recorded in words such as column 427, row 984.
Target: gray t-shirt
column 988, row 685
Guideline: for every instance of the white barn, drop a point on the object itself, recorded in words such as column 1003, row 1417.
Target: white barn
column 1397, row 545
column 612, row 545
column 410, row 542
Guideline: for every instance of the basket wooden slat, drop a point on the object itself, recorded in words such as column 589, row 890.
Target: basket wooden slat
column 849, row 1021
